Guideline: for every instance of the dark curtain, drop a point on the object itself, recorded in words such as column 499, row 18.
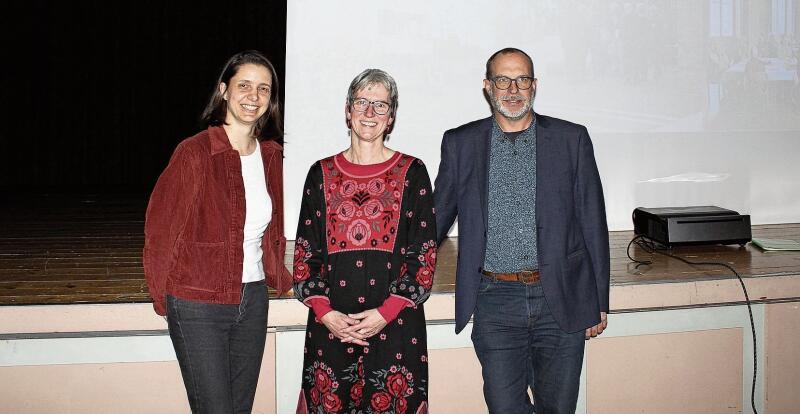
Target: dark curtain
column 98, row 93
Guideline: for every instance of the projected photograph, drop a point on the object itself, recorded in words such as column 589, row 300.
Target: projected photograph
column 673, row 66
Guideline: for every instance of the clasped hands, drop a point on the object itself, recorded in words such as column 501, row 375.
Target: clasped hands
column 356, row 327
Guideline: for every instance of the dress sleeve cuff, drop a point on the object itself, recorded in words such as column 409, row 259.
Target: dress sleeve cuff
column 391, row 307
column 320, row 306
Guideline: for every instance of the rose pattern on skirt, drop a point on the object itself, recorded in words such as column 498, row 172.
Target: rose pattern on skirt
column 323, row 392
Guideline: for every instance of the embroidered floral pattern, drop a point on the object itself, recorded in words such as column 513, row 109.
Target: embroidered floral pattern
column 362, row 211
column 322, row 396
column 354, row 374
column 395, row 385
column 427, row 258
column 301, row 255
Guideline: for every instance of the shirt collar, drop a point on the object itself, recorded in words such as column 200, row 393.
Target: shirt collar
column 531, row 126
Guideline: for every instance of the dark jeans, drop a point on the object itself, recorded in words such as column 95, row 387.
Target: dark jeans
column 219, row 349
column 520, row 345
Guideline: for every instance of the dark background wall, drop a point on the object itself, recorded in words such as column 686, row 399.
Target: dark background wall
column 96, row 94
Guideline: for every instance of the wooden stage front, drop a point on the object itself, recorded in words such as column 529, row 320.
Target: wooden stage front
column 87, row 249
column 95, row 339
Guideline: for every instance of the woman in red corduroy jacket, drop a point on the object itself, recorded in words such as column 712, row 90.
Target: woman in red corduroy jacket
column 214, row 238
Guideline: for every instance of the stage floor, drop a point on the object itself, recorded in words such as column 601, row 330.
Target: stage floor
column 87, row 249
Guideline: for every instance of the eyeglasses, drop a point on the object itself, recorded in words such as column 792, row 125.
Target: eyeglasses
column 504, row 82
column 380, row 107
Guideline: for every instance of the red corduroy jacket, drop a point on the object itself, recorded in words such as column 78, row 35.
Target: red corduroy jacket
column 194, row 227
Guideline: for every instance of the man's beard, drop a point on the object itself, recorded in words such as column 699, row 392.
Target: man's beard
column 512, row 115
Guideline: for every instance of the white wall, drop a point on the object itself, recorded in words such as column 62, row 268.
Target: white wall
column 686, row 88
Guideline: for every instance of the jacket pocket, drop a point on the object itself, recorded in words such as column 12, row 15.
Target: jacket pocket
column 485, row 285
column 577, row 253
column 577, row 269
column 202, row 265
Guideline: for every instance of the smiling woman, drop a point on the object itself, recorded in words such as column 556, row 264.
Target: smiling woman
column 371, row 107
column 364, row 259
column 248, row 96
column 214, row 238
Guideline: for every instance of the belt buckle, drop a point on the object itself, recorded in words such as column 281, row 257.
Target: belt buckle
column 527, row 277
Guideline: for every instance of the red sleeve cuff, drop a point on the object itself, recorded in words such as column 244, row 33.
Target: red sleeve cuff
column 391, row 308
column 320, row 306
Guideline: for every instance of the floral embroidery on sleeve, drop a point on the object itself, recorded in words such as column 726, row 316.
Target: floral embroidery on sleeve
column 416, row 272
column 309, row 273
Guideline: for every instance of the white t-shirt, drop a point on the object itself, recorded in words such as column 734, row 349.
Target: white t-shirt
column 258, row 212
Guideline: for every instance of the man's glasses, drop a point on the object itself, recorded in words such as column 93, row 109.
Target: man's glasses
column 380, row 107
column 504, row 82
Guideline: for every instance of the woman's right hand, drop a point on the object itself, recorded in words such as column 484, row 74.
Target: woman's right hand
column 336, row 322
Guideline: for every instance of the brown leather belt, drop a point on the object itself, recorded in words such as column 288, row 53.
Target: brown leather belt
column 526, row 276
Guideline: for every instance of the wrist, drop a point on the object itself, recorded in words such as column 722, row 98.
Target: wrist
column 392, row 307
column 320, row 306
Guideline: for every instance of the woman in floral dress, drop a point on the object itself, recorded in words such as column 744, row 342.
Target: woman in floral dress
column 364, row 260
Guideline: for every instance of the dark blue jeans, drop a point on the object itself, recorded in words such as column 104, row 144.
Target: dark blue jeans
column 219, row 349
column 520, row 345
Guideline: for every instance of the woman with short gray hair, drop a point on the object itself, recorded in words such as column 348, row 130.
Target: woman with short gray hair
column 364, row 259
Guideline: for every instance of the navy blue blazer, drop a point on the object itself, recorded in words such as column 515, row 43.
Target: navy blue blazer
column 572, row 234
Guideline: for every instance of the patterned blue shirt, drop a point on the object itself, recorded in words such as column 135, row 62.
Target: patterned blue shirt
column 511, row 235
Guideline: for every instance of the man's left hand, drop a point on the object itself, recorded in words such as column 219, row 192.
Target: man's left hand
column 599, row 328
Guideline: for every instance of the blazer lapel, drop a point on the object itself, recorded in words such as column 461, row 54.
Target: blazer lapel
column 483, row 141
column 544, row 137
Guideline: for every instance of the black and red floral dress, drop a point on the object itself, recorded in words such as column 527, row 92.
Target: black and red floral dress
column 366, row 239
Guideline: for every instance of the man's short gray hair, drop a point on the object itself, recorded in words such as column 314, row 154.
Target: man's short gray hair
column 372, row 77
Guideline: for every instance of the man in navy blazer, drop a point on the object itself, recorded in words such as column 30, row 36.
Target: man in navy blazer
column 533, row 253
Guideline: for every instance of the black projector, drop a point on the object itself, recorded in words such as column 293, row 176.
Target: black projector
column 673, row 226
